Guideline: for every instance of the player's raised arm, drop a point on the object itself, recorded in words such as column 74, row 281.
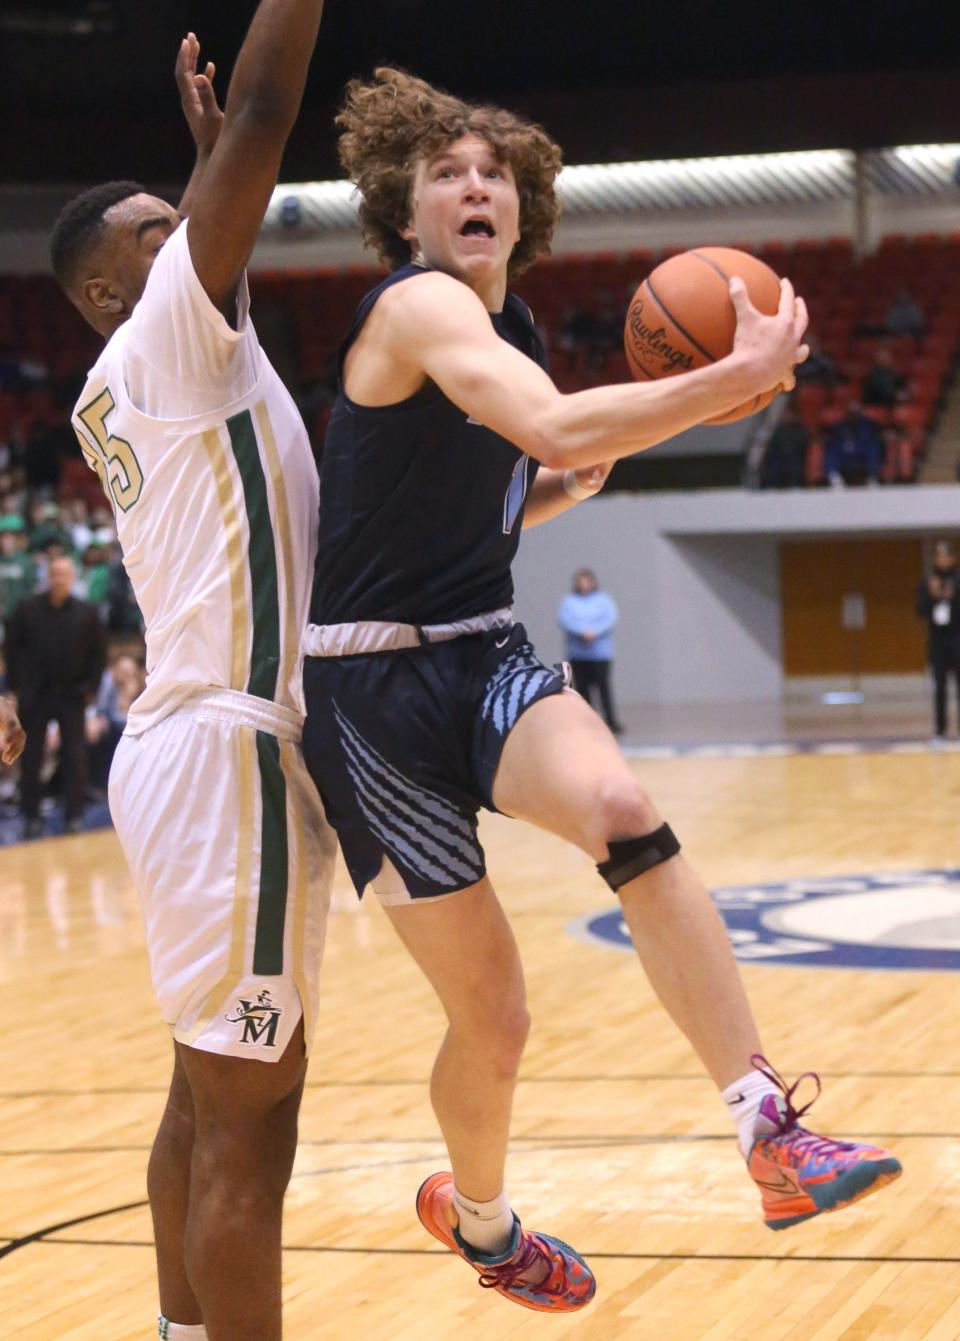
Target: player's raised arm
column 438, row 327
column 201, row 111
column 262, row 106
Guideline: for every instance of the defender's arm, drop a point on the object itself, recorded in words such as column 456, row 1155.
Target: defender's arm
column 262, row 105
column 200, row 109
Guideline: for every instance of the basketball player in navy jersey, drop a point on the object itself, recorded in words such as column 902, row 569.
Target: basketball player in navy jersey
column 426, row 701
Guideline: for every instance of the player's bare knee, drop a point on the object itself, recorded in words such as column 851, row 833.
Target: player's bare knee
column 622, row 809
column 514, row 1029
column 252, row 1151
column 497, row 1030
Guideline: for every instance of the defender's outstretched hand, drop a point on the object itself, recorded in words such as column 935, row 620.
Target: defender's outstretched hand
column 197, row 96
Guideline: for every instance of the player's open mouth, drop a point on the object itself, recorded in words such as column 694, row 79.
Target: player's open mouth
column 478, row 227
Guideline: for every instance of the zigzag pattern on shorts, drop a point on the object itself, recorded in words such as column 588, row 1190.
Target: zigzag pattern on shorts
column 514, row 684
column 420, row 829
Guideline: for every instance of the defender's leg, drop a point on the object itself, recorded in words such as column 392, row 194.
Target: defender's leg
column 244, row 1145
column 168, row 1186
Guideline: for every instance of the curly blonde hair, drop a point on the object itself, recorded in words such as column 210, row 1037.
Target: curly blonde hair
column 396, row 119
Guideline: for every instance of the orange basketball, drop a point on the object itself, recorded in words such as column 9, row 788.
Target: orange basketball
column 682, row 317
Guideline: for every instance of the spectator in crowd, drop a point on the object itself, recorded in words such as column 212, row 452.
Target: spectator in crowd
column 47, row 529
column 818, row 368
column 854, row 450
column 575, row 332
column 17, row 373
column 99, row 556
column 905, row 317
column 121, row 684
column 938, row 604
column 607, row 334
column 18, row 571
column 77, row 524
column 55, row 652
column 51, row 442
column 123, row 613
column 883, row 386
column 588, row 617
column 785, row 459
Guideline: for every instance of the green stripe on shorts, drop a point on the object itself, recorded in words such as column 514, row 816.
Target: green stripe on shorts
column 274, row 860
column 262, row 559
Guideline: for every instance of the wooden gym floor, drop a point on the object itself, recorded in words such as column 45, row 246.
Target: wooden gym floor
column 620, row 1144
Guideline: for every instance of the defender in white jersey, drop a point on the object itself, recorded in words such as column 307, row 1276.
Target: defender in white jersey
column 208, row 465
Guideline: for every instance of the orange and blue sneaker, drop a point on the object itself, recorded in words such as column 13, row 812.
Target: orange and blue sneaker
column 537, row 1270
column 801, row 1174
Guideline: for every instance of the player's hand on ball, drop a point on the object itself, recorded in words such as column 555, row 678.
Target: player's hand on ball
column 773, row 345
column 12, row 735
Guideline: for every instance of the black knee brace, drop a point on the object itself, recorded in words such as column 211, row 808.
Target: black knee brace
column 630, row 857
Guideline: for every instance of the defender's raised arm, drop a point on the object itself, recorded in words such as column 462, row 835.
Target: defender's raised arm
column 263, row 101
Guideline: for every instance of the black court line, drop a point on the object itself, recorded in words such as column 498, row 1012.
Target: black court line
column 39, row 1235
column 320, row 1248
column 570, row 1141
column 387, row 1083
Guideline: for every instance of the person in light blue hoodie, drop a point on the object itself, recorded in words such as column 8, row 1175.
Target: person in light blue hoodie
column 588, row 617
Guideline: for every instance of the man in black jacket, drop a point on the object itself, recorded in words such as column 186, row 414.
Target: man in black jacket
column 56, row 651
column 938, row 602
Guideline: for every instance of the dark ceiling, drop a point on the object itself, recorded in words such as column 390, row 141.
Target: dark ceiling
column 86, row 86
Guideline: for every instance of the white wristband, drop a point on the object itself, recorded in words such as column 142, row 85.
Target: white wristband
column 574, row 489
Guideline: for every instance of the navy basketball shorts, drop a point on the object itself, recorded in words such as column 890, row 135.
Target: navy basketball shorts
column 404, row 746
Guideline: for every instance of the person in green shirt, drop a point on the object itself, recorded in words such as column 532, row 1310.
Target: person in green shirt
column 18, row 569
column 96, row 569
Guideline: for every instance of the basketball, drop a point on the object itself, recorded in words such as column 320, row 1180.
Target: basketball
column 682, row 316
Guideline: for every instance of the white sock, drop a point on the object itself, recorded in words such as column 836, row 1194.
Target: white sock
column 179, row 1331
column 485, row 1225
column 743, row 1099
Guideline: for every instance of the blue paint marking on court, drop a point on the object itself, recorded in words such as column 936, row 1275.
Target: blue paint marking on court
column 785, row 748
column 885, row 920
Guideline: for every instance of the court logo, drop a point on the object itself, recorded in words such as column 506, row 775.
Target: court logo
column 888, row 920
column 259, row 1018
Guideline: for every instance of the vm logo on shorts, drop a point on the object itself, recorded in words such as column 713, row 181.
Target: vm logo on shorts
column 259, row 1018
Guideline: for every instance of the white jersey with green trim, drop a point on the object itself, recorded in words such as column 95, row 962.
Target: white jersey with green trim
column 207, row 464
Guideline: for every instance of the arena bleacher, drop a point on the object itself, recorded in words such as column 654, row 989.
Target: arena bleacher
column 45, row 347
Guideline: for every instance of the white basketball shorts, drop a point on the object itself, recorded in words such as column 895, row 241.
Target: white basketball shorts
column 232, row 857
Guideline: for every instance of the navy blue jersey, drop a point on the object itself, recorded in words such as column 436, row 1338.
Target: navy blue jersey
column 421, row 507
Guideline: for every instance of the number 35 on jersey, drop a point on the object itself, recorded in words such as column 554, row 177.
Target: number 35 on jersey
column 112, row 458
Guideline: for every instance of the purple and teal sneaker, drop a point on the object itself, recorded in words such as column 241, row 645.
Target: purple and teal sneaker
column 801, row 1174
column 537, row 1270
